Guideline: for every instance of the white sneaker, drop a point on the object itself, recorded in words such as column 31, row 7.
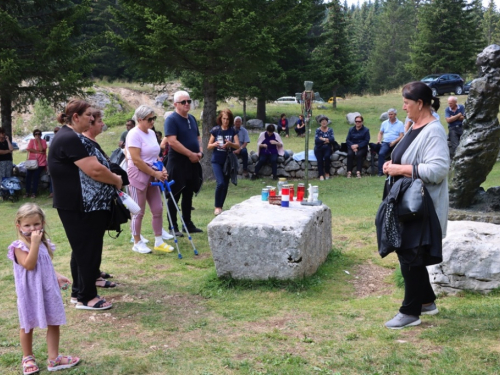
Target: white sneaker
column 140, row 247
column 145, row 240
column 165, row 235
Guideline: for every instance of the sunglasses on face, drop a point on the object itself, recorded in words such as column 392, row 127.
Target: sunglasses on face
column 358, row 122
column 183, row 102
column 151, row 119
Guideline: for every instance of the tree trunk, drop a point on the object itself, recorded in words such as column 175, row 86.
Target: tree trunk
column 208, row 121
column 6, row 110
column 261, row 110
column 244, row 111
column 334, row 104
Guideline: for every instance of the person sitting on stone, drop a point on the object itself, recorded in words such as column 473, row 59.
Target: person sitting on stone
column 357, row 146
column 391, row 132
column 244, row 139
column 300, row 127
column 283, row 124
column 269, row 147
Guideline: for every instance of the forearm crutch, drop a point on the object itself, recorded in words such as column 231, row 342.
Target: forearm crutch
column 162, row 188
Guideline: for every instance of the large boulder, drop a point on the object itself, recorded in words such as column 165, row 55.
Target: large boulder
column 257, row 241
column 351, row 116
column 471, row 258
column 255, row 124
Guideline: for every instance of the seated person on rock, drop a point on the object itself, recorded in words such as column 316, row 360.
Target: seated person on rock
column 269, row 147
column 283, row 125
column 391, row 132
column 300, row 127
column 357, row 146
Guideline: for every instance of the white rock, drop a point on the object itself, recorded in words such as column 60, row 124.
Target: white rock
column 257, row 241
column 471, row 258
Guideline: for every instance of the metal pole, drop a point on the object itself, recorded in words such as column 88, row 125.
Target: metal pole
column 307, row 98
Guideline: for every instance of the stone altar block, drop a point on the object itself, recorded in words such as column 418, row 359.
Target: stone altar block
column 255, row 240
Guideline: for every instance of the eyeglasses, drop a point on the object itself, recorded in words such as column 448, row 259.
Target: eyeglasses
column 183, row 102
column 358, row 122
column 151, row 119
column 38, row 133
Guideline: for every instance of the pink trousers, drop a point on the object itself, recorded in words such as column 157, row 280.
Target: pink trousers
column 152, row 195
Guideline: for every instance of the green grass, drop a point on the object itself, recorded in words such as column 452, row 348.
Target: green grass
column 175, row 316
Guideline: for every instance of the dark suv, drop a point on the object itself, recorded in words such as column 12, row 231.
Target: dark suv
column 444, row 83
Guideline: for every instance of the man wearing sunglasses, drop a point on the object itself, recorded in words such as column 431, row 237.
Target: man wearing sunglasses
column 184, row 157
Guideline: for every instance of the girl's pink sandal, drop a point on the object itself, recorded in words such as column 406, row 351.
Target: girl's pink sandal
column 30, row 368
column 57, row 364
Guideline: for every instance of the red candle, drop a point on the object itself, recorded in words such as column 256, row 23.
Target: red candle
column 272, row 192
column 300, row 192
column 292, row 192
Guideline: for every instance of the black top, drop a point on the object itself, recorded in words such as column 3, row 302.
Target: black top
column 73, row 189
column 5, row 146
column 398, row 152
column 219, row 155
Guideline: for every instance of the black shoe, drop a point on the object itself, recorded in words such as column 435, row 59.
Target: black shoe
column 254, row 177
column 192, row 228
column 275, row 177
column 192, row 208
column 177, row 232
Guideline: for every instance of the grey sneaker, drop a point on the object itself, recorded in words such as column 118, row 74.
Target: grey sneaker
column 429, row 310
column 402, row 321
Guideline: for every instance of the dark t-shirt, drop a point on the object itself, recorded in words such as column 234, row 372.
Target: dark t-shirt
column 73, row 189
column 5, row 146
column 219, row 155
column 398, row 152
column 186, row 131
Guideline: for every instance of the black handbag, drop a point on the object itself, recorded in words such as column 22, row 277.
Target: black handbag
column 411, row 204
column 119, row 215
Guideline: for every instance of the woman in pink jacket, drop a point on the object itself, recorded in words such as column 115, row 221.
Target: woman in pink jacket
column 37, row 148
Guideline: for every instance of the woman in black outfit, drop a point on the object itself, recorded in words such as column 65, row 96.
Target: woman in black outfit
column 83, row 189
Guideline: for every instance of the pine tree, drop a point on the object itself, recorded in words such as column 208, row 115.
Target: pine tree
column 386, row 65
column 447, row 39
column 39, row 54
column 215, row 41
column 490, row 22
column 333, row 59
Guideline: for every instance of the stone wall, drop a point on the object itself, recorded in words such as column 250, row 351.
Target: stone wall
column 288, row 167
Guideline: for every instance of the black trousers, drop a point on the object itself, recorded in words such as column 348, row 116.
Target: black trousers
column 186, row 204
column 85, row 232
column 418, row 289
column 360, row 158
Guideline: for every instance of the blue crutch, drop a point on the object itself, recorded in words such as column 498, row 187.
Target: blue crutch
column 166, row 185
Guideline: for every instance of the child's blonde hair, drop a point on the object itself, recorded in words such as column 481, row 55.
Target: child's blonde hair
column 27, row 210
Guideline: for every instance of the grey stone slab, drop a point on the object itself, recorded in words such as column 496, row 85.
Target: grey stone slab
column 257, row 241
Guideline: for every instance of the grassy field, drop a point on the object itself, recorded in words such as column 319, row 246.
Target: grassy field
column 174, row 316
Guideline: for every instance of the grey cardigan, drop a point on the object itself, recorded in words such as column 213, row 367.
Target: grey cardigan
column 429, row 151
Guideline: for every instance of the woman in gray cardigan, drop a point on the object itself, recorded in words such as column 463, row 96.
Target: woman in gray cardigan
column 423, row 146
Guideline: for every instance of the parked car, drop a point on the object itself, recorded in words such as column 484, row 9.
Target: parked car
column 15, row 145
column 330, row 101
column 444, row 83
column 467, row 86
column 45, row 135
column 286, row 100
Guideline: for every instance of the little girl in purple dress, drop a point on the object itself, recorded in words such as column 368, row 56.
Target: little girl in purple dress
column 39, row 300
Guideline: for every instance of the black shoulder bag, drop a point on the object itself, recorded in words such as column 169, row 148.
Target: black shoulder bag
column 411, row 204
column 119, row 215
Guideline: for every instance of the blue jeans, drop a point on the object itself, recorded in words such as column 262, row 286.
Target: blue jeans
column 263, row 158
column 383, row 149
column 244, row 158
column 33, row 177
column 323, row 154
column 222, row 184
